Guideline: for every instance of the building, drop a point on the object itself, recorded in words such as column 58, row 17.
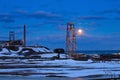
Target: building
column 4, row 43
column 11, row 43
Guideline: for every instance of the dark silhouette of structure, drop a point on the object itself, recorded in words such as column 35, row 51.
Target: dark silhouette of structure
column 11, row 36
column 70, row 39
column 12, row 41
column 24, row 36
column 16, row 43
column 59, row 51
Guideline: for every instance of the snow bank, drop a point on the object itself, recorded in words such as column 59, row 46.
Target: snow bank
column 4, row 50
column 40, row 50
column 20, row 48
column 49, row 55
column 62, row 55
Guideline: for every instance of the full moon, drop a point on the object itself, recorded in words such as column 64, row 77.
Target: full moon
column 80, row 31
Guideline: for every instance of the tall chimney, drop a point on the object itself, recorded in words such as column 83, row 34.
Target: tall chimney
column 24, row 35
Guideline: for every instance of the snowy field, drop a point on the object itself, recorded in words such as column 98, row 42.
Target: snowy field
column 44, row 66
column 59, row 68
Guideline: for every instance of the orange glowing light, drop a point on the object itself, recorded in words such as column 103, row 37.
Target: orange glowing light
column 80, row 31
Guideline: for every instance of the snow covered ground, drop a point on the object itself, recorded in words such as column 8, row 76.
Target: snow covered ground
column 54, row 68
column 59, row 68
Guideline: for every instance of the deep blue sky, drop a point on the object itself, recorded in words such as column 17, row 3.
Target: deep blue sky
column 46, row 22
